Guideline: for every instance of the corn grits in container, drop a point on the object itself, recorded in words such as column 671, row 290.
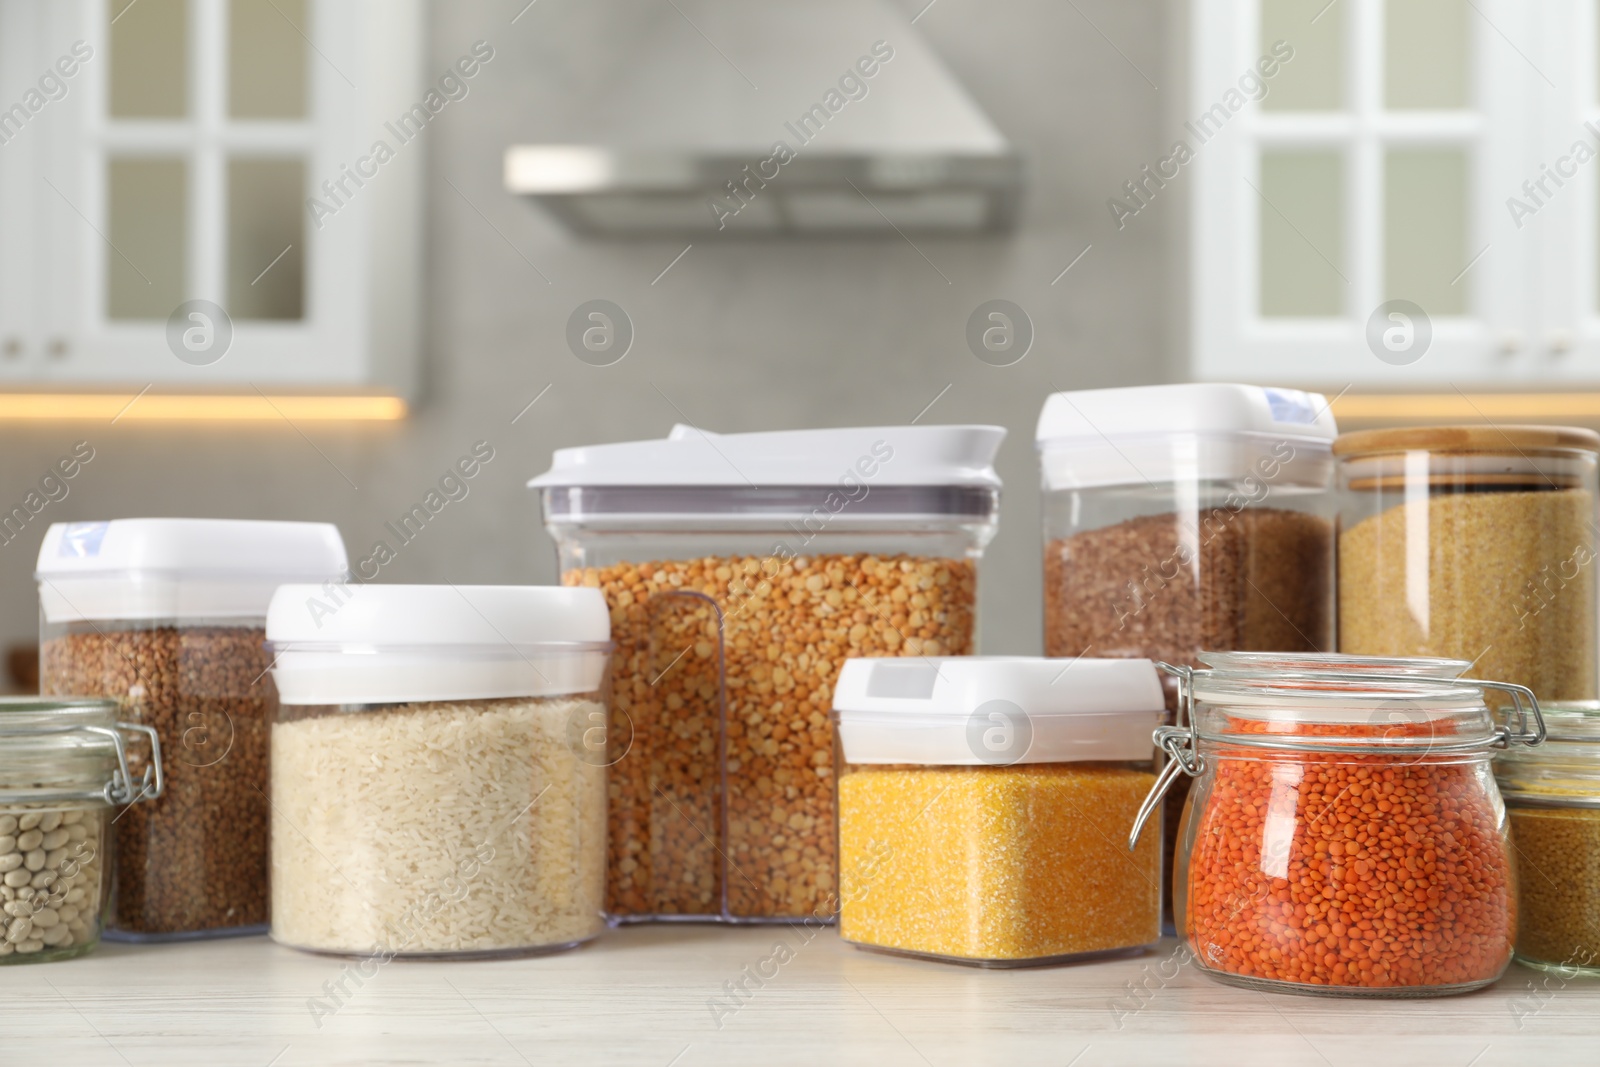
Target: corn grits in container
column 983, row 805
column 438, row 770
column 741, row 570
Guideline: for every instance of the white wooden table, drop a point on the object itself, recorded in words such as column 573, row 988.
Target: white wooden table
column 655, row 996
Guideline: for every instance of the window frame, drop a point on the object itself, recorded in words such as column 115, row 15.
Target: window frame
column 1230, row 340
column 362, row 267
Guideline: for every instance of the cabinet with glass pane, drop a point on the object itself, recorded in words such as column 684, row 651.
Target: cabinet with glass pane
column 1356, row 218
column 157, row 163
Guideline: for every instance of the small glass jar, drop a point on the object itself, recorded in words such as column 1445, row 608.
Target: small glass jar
column 1475, row 542
column 982, row 803
column 166, row 617
column 63, row 767
column 1344, row 834
column 1553, row 796
column 438, row 770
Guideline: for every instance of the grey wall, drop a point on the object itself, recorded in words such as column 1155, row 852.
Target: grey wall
column 740, row 336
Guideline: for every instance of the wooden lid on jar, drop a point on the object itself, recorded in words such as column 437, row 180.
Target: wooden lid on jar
column 1467, row 439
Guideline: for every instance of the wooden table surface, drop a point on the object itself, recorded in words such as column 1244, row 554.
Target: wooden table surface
column 655, row 996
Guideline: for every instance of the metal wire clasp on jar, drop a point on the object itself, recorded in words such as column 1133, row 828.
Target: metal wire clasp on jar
column 1344, row 834
column 63, row 766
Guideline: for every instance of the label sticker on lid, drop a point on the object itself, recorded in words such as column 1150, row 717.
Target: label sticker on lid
column 1290, row 405
column 82, row 539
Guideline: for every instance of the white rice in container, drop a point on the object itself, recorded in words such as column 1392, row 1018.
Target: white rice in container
column 437, row 827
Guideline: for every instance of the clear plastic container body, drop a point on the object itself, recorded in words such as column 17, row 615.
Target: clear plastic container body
column 1476, row 544
column 194, row 862
column 1346, row 838
column 732, row 611
column 440, row 829
column 1552, row 794
column 997, row 866
column 1167, row 570
column 63, row 769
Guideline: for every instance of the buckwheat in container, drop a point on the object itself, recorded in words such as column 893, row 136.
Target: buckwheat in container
column 741, row 571
column 983, row 804
column 438, row 769
column 166, row 617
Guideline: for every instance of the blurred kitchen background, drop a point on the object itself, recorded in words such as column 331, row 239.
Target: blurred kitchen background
column 1340, row 217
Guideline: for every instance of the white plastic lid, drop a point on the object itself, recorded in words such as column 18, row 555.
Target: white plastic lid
column 996, row 710
column 879, row 455
column 382, row 644
column 179, row 569
column 1195, row 431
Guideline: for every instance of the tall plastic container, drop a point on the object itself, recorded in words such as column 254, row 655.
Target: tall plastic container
column 167, row 617
column 741, row 571
column 1185, row 518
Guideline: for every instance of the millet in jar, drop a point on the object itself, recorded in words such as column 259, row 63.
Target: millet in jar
column 767, row 635
column 1488, row 593
column 51, row 882
column 196, row 858
column 1559, row 853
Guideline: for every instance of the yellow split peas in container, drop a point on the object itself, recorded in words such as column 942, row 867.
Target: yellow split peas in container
column 741, row 571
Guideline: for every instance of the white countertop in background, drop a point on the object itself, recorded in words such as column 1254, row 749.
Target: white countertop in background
column 639, row 996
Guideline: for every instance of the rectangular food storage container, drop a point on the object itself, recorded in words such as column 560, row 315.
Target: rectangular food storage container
column 741, row 571
column 438, row 770
column 63, row 767
column 1552, row 795
column 1181, row 518
column 1345, row 835
column 983, row 806
column 166, row 616
column 1475, row 542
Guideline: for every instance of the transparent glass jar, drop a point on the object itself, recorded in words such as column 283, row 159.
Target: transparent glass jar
column 64, row 765
column 981, row 806
column 1475, row 542
column 439, row 771
column 742, row 570
column 1344, row 834
column 1553, row 796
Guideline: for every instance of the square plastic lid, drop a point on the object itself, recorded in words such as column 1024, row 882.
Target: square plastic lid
column 180, row 568
column 996, row 710
column 688, row 456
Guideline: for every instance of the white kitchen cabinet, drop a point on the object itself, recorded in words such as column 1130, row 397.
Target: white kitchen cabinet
column 156, row 152
column 1380, row 164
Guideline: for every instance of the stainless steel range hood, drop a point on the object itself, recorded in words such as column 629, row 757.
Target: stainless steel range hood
column 767, row 117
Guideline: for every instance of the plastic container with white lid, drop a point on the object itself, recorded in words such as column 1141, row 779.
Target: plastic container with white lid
column 167, row 616
column 741, row 571
column 1185, row 518
column 983, row 803
column 438, row 769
